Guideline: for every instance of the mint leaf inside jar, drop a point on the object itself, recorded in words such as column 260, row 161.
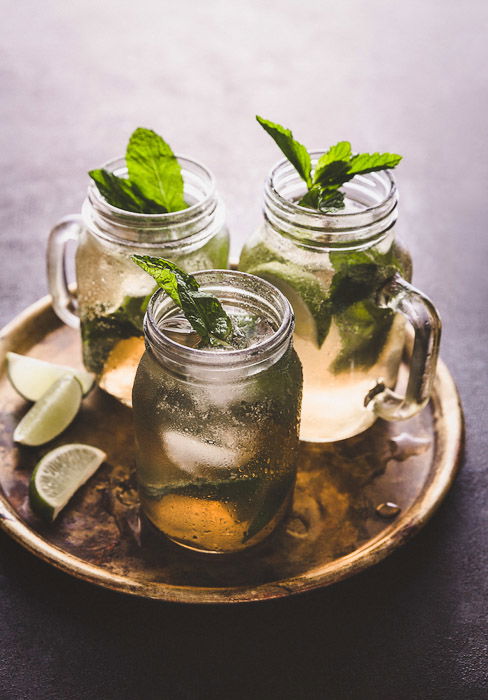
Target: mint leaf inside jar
column 334, row 168
column 154, row 184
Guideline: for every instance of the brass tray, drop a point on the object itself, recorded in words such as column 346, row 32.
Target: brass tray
column 333, row 530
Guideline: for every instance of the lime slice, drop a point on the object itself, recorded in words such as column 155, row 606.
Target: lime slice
column 305, row 294
column 31, row 378
column 51, row 414
column 59, row 475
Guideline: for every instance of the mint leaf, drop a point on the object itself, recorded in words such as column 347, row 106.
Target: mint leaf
column 133, row 309
column 333, row 175
column 363, row 326
column 166, row 275
column 203, row 311
column 340, row 152
column 115, row 191
column 101, row 333
column 330, row 200
column 206, row 315
column 154, row 169
column 364, row 330
column 338, row 166
column 355, row 283
column 323, row 199
column 155, row 183
column 311, row 198
column 335, row 167
column 370, row 162
column 120, row 193
column 293, row 150
column 359, row 275
column 389, row 262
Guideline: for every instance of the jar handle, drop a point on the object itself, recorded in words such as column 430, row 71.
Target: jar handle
column 63, row 299
column 420, row 312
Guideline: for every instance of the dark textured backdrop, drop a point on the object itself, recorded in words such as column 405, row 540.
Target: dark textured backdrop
column 76, row 78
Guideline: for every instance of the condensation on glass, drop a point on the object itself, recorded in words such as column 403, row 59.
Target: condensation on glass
column 112, row 292
column 217, row 430
column 348, row 280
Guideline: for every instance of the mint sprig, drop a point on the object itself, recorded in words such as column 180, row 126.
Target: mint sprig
column 202, row 310
column 154, row 184
column 120, row 193
column 333, row 169
column 296, row 153
column 154, row 169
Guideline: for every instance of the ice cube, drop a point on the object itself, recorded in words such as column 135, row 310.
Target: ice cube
column 179, row 330
column 192, row 454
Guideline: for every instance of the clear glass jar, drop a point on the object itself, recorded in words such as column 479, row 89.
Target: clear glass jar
column 112, row 292
column 348, row 282
column 217, row 431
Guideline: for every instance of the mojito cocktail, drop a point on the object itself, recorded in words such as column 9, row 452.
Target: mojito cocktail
column 217, row 428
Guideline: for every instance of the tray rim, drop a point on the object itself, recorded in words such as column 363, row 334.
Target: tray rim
column 451, row 431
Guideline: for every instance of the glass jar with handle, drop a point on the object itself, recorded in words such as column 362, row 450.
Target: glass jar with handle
column 111, row 292
column 348, row 280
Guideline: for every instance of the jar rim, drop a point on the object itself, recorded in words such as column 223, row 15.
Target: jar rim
column 315, row 155
column 225, row 359
column 376, row 194
column 165, row 217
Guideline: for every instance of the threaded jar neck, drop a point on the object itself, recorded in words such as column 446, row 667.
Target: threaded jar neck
column 370, row 212
column 238, row 289
column 201, row 219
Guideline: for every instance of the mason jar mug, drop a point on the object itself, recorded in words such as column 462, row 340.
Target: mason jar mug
column 348, row 281
column 217, row 429
column 111, row 291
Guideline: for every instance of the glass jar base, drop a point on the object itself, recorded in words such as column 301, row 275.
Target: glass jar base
column 206, row 541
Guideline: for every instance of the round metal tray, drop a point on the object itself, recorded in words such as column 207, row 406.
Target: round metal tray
column 333, row 531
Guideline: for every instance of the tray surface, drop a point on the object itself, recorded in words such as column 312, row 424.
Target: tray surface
column 332, row 531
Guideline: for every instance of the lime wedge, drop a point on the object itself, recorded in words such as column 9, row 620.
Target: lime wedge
column 305, row 294
column 51, row 414
column 31, row 378
column 59, row 475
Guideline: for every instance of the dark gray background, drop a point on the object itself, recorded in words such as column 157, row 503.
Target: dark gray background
column 76, row 78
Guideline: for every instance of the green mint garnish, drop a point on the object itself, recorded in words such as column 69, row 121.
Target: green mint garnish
column 154, row 184
column 363, row 326
column 293, row 150
column 203, row 311
column 101, row 333
column 333, row 169
column 119, row 192
column 154, row 169
column 364, row 329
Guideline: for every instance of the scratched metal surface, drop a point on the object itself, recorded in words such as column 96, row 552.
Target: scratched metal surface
column 333, row 529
